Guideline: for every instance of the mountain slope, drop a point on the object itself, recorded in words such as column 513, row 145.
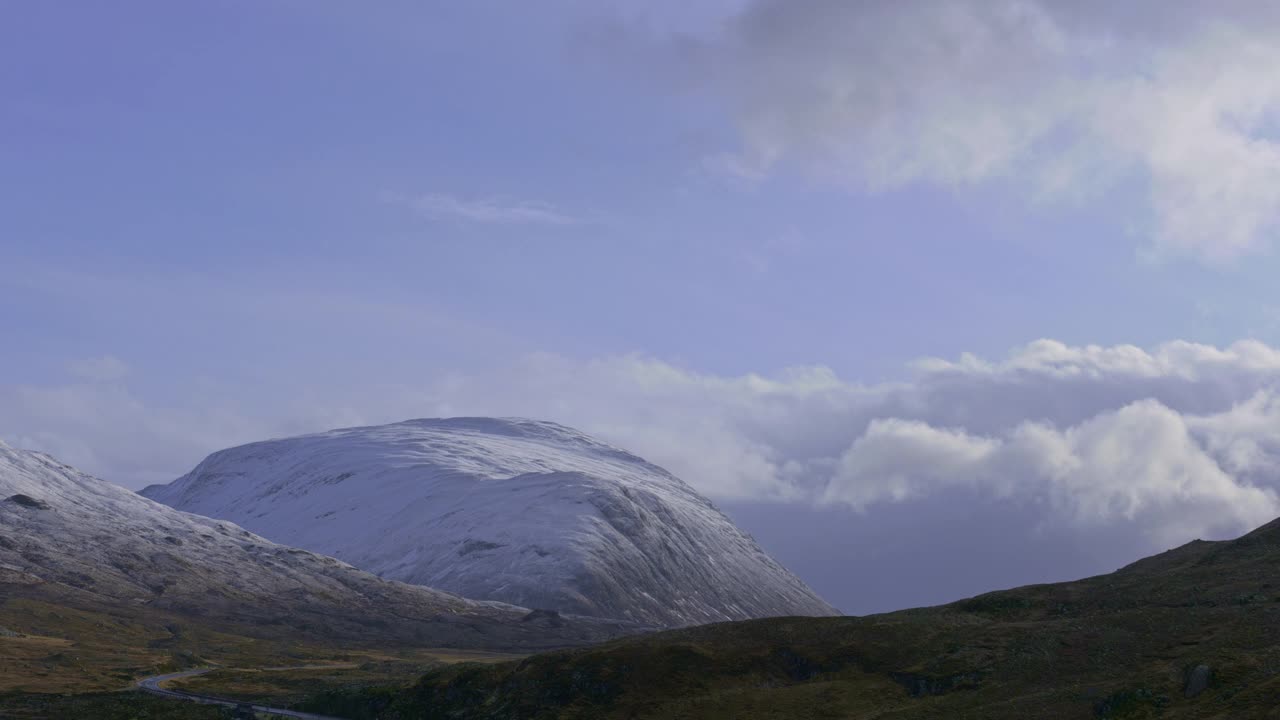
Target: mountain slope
column 1191, row 633
column 527, row 512
column 73, row 541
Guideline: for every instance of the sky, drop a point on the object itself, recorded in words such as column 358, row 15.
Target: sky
column 932, row 297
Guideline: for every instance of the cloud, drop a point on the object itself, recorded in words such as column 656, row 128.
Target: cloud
column 1139, row 465
column 106, row 368
column 496, row 211
column 112, row 431
column 1069, row 100
column 1161, row 445
column 1121, row 449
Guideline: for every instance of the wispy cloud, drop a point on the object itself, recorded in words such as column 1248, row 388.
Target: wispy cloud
column 106, row 368
column 488, row 210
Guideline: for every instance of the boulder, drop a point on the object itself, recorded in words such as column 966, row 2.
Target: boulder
column 28, row 501
column 1197, row 680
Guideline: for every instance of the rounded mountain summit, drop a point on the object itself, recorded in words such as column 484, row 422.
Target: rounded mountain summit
column 521, row 511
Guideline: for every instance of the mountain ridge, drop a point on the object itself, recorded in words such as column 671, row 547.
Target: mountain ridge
column 67, row 538
column 523, row 511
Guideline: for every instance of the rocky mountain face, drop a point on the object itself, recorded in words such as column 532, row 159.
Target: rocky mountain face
column 73, row 540
column 525, row 512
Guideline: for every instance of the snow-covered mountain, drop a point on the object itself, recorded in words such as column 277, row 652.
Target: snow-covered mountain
column 72, row 539
column 526, row 512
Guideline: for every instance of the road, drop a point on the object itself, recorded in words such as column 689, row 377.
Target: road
column 155, row 686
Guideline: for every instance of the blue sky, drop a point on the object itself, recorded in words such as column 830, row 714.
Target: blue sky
column 224, row 221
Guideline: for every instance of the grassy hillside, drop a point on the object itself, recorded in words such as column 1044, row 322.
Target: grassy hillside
column 65, row 655
column 1124, row 645
column 285, row 686
column 62, row 656
column 104, row 706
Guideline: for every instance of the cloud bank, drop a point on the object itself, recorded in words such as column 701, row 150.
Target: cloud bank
column 1071, row 100
column 1178, row 442
column 1105, row 431
column 1145, row 447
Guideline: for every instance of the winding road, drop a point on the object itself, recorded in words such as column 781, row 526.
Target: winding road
column 155, row 686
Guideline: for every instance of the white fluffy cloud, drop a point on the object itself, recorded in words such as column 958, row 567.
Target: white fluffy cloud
column 1069, row 99
column 1138, row 465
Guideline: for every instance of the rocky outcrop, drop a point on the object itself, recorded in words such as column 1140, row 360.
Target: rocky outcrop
column 28, row 502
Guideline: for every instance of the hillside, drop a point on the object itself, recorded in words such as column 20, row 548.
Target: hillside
column 1191, row 633
column 526, row 512
column 97, row 582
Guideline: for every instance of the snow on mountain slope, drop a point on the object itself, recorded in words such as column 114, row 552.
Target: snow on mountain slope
column 527, row 512
column 90, row 541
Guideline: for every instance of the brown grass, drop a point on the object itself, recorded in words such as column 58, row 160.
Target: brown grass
column 349, row 670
